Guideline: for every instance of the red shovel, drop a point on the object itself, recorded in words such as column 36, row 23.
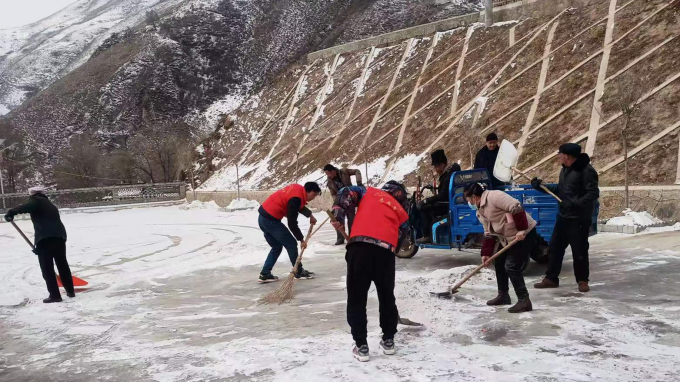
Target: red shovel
column 77, row 282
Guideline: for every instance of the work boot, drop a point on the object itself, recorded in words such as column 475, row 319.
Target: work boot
column 523, row 305
column 583, row 286
column 304, row 274
column 361, row 353
column 503, row 298
column 546, row 283
column 267, row 278
column 387, row 346
column 71, row 294
column 424, row 240
column 50, row 300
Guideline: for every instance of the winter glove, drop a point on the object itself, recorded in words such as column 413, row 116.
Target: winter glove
column 536, row 184
column 9, row 217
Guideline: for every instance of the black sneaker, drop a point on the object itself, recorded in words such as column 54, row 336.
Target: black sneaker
column 71, row 294
column 304, row 274
column 387, row 346
column 50, row 300
column 268, row 278
column 361, row 353
column 340, row 242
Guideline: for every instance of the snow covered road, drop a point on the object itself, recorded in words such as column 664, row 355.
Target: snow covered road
column 173, row 298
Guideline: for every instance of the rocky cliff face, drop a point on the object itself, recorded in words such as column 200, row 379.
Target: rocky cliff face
column 198, row 61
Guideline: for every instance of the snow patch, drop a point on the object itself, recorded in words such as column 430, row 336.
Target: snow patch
column 633, row 218
column 243, row 204
column 199, row 205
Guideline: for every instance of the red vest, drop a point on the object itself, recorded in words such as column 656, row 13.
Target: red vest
column 276, row 204
column 379, row 217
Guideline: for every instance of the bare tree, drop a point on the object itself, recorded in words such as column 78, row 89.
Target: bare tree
column 78, row 166
column 122, row 164
column 626, row 99
column 158, row 153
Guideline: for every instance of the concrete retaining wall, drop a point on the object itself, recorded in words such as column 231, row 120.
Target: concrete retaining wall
column 514, row 11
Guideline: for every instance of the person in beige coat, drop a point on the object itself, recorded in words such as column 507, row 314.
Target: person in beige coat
column 338, row 179
column 504, row 217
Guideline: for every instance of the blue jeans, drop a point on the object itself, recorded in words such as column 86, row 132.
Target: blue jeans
column 277, row 236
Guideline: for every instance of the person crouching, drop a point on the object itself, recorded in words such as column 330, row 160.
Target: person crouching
column 377, row 234
column 504, row 215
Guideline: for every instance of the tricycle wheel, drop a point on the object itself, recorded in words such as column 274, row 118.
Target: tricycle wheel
column 408, row 249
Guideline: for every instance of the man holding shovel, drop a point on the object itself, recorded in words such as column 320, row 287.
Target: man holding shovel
column 504, row 216
column 578, row 189
column 50, row 241
column 289, row 201
column 379, row 227
column 338, row 179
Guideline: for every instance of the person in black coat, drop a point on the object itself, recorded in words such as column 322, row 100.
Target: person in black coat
column 437, row 205
column 579, row 191
column 486, row 158
column 50, row 241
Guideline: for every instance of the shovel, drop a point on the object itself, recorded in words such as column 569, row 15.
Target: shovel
column 505, row 165
column 454, row 290
column 77, row 282
column 402, row 320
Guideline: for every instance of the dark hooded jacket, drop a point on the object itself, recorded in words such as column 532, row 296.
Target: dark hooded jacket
column 45, row 217
column 578, row 189
column 443, row 187
column 487, row 159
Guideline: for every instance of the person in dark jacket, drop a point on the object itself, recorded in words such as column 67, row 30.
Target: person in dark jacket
column 337, row 179
column 50, row 241
column 288, row 202
column 437, row 205
column 486, row 157
column 578, row 189
column 380, row 226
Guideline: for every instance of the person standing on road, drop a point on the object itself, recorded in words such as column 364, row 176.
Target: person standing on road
column 438, row 204
column 486, row 157
column 578, row 188
column 337, row 179
column 503, row 215
column 50, row 241
column 379, row 228
column 289, row 201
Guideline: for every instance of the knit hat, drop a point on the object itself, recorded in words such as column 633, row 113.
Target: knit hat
column 571, row 149
column 439, row 157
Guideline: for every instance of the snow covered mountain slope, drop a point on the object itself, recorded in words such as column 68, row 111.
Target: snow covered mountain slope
column 32, row 57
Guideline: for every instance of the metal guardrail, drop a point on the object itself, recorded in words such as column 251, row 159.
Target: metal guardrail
column 103, row 196
column 500, row 3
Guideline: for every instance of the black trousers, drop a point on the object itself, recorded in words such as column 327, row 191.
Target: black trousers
column 512, row 264
column 350, row 222
column 368, row 263
column 429, row 212
column 52, row 251
column 574, row 233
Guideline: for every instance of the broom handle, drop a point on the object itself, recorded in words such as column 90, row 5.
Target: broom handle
column 22, row 234
column 483, row 264
column 310, row 233
column 542, row 186
column 333, row 220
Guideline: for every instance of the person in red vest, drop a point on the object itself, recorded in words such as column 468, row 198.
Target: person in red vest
column 380, row 225
column 289, row 201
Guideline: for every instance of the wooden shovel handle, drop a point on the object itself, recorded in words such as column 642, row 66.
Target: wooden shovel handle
column 22, row 234
column 482, row 265
column 542, row 186
column 333, row 220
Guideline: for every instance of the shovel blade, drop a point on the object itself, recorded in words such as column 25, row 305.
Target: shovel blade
column 407, row 322
column 506, row 160
column 77, row 282
column 444, row 295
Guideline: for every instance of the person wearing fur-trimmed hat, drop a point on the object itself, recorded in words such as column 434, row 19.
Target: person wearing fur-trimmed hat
column 50, row 241
column 437, row 205
column 578, row 189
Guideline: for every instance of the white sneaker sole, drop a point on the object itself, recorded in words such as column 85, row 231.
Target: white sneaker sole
column 361, row 358
column 304, row 278
column 389, row 351
column 267, row 281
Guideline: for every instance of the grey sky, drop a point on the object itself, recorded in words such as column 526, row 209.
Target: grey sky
column 14, row 13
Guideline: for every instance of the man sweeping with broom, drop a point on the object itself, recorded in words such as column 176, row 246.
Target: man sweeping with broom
column 379, row 226
column 289, row 201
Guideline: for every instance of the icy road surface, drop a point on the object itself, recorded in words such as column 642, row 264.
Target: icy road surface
column 173, row 298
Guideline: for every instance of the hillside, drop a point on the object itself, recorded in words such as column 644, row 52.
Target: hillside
column 537, row 81
column 195, row 63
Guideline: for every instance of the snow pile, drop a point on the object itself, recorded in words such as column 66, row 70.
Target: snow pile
column 199, row 205
column 674, row 227
column 243, row 204
column 633, row 218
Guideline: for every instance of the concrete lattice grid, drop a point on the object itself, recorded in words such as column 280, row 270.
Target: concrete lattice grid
column 538, row 82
